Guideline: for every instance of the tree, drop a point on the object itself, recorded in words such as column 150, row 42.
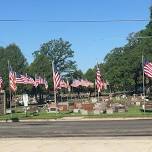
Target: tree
column 90, row 74
column 40, row 66
column 123, row 66
column 13, row 54
column 77, row 74
column 60, row 52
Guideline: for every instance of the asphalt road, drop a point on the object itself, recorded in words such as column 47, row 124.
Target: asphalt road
column 76, row 129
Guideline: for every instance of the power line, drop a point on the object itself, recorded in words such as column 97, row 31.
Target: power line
column 76, row 21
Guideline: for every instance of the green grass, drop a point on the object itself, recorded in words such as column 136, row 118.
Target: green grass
column 133, row 111
column 41, row 115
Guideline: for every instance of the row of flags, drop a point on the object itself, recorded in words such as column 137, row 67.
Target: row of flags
column 84, row 83
column 16, row 78
column 60, row 83
column 100, row 84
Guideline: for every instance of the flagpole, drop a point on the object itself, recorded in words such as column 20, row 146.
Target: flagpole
column 10, row 91
column 95, row 88
column 143, row 80
column 98, row 95
column 10, row 102
column 67, row 90
column 15, row 95
column 54, row 84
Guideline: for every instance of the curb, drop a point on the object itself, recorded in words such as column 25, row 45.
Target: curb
column 77, row 119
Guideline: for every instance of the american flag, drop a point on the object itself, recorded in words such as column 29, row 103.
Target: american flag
column 86, row 83
column 76, row 83
column 39, row 80
column 12, row 80
column 20, row 79
column 29, row 80
column 1, row 82
column 56, row 79
column 148, row 69
column 24, row 79
column 99, row 82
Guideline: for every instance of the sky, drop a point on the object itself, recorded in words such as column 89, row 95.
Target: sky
column 91, row 41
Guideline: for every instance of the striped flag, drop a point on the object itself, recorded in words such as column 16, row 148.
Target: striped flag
column 148, row 69
column 12, row 80
column 29, row 80
column 85, row 83
column 24, row 79
column 41, row 80
column 76, row 83
column 1, row 82
column 20, row 79
column 99, row 83
column 56, row 78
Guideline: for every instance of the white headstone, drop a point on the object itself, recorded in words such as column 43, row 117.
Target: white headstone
column 25, row 100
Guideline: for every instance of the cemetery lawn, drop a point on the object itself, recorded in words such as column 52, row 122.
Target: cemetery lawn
column 133, row 111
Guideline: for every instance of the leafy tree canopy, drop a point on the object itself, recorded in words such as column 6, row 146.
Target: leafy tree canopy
column 60, row 52
column 13, row 54
column 123, row 65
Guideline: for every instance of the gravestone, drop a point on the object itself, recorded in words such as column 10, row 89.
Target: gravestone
column 96, row 112
column 109, row 111
column 83, row 112
column 2, row 102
